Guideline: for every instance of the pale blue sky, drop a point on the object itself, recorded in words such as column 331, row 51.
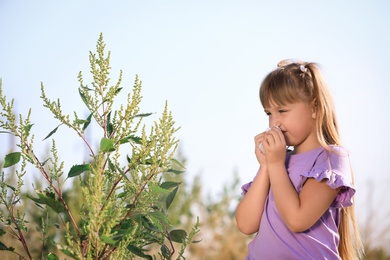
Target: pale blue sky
column 207, row 58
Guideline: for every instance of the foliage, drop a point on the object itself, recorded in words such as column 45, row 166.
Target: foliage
column 221, row 240
column 121, row 183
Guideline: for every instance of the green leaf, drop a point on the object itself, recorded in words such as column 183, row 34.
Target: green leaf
column 123, row 141
column 78, row 169
column 122, row 195
column 83, row 97
column 80, row 121
column 135, row 139
column 2, row 232
column 109, row 126
column 11, row 159
column 176, row 164
column 69, row 253
column 87, row 121
column 106, row 145
column 176, row 167
column 86, row 88
column 50, row 201
column 152, row 223
column 143, row 115
column 170, row 197
column 112, row 166
column 27, row 129
column 117, row 91
column 148, row 161
column 165, row 251
column 178, row 235
column 45, row 161
column 52, row 132
column 52, row 256
column 169, row 184
column 138, row 251
column 127, row 224
column 4, row 247
column 36, row 204
column 9, row 186
column 107, row 240
column 159, row 217
column 158, row 189
column 174, row 171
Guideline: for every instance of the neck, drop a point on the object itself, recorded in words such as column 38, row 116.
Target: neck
column 309, row 144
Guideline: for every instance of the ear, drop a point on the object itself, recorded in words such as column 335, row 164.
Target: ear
column 313, row 106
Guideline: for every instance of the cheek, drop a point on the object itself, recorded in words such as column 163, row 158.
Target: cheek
column 298, row 126
column 291, row 139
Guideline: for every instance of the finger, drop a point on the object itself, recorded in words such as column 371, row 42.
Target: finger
column 259, row 138
column 277, row 134
column 259, row 146
column 281, row 135
column 270, row 138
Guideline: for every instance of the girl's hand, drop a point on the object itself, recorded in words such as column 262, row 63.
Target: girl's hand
column 259, row 153
column 274, row 144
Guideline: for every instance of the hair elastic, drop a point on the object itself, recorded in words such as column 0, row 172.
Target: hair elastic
column 303, row 68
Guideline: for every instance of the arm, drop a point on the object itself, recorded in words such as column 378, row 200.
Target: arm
column 250, row 209
column 298, row 210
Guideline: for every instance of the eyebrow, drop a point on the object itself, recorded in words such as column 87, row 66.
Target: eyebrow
column 276, row 107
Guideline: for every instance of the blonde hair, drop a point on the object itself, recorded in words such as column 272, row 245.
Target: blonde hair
column 296, row 81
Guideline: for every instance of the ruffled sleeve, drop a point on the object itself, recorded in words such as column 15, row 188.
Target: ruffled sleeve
column 334, row 167
column 245, row 188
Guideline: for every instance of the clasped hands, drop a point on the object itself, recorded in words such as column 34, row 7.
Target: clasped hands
column 270, row 146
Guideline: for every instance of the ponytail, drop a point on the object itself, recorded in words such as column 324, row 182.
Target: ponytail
column 350, row 247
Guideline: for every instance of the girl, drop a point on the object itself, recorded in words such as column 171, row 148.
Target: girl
column 300, row 202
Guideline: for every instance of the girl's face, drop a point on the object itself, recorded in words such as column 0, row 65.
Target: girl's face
column 297, row 122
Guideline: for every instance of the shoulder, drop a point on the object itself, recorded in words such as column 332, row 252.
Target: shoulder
column 334, row 165
column 334, row 157
column 328, row 163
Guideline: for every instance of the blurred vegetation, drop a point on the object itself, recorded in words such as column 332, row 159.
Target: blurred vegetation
column 220, row 238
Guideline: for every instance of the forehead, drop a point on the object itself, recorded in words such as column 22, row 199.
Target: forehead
column 295, row 105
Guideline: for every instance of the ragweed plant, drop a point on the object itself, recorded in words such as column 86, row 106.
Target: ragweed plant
column 124, row 197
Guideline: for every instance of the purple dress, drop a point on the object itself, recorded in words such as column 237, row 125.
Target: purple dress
column 275, row 241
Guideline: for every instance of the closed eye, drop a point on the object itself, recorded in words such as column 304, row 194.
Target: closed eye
column 279, row 111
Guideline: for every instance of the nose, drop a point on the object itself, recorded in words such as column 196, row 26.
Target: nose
column 274, row 121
